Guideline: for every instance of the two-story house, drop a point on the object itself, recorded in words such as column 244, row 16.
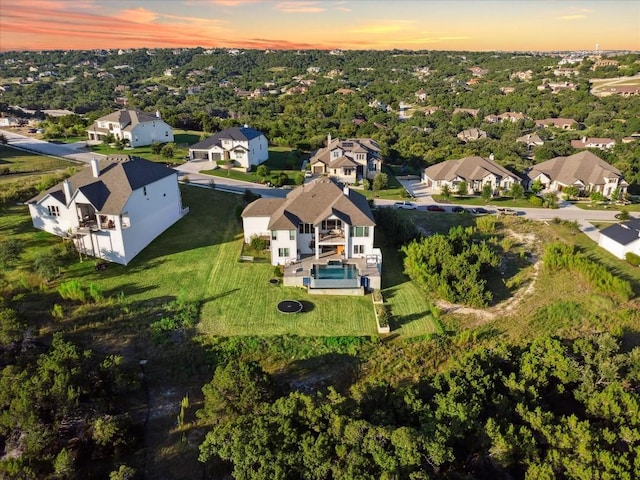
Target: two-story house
column 111, row 209
column 318, row 225
column 242, row 147
column 349, row 160
column 136, row 127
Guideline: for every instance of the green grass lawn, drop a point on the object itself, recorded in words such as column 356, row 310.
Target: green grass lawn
column 199, row 256
column 16, row 161
column 633, row 207
column 479, row 201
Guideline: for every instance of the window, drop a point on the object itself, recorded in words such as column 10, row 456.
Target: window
column 274, row 235
column 239, row 154
column 306, row 228
column 283, row 252
column 292, row 234
column 54, row 210
column 358, row 249
column 359, row 231
column 144, row 190
column 166, row 133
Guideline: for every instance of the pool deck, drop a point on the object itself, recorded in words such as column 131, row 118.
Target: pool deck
column 296, row 271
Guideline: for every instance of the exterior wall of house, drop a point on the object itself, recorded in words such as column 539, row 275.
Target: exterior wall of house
column 147, row 133
column 58, row 225
column 255, row 226
column 618, row 249
column 365, row 242
column 283, row 247
column 258, row 151
column 149, row 211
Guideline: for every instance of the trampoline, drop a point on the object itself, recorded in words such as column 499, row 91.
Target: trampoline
column 289, row 306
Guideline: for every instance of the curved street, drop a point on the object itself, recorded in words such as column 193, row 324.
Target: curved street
column 79, row 152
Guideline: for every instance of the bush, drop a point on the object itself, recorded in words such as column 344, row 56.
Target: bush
column 535, row 201
column 72, row 290
column 10, row 251
column 258, row 243
column 633, row 259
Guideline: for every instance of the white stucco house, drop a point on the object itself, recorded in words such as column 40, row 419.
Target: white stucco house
column 348, row 160
column 584, row 170
column 621, row 238
column 111, row 209
column 318, row 225
column 137, row 127
column 244, row 147
column 475, row 171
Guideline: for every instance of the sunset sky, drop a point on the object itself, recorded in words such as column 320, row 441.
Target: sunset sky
column 324, row 24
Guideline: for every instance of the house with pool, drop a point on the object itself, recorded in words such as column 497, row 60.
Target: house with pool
column 322, row 234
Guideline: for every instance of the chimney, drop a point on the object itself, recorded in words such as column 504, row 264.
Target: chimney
column 95, row 169
column 584, row 139
column 66, row 188
column 246, row 125
column 491, row 157
column 345, row 190
column 158, row 114
column 328, row 139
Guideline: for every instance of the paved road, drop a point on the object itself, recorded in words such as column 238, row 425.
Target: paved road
column 79, row 152
column 73, row 151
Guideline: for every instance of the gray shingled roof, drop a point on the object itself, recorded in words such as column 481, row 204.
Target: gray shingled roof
column 312, row 203
column 468, row 168
column 119, row 176
column 584, row 167
column 129, row 117
column 624, row 233
column 243, row 134
column 349, row 146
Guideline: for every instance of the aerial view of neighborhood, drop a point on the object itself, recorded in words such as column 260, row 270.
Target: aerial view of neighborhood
column 322, row 240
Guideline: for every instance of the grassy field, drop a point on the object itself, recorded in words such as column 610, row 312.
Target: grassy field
column 14, row 162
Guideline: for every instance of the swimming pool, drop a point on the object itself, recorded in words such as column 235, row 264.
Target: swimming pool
column 335, row 271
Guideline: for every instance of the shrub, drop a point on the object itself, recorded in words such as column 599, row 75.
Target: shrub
column 57, row 312
column 535, row 201
column 47, row 265
column 383, row 315
column 10, row 251
column 299, row 179
column 633, row 259
column 258, row 243
column 72, row 290
column 486, row 224
column 624, row 215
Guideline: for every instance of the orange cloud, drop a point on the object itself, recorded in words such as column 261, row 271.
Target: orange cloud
column 300, row 7
column 381, row 28
column 139, row 15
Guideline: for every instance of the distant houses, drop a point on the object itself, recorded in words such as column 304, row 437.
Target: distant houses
column 471, row 135
column 584, row 170
column 240, row 147
column 136, row 127
column 594, row 142
column 563, row 123
column 475, row 171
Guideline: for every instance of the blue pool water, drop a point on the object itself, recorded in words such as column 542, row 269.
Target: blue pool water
column 335, row 272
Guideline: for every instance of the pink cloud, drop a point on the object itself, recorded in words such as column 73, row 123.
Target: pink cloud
column 300, row 7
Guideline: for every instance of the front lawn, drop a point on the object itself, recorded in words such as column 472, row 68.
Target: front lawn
column 480, row 202
column 14, row 161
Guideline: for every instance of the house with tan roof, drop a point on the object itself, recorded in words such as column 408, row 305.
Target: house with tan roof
column 347, row 160
column 475, row 171
column 584, row 170
column 531, row 140
column 243, row 147
column 111, row 209
column 136, row 127
column 471, row 134
column 594, row 142
column 322, row 234
column 506, row 117
column 563, row 123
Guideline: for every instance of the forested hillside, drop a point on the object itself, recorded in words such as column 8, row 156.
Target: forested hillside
column 298, row 97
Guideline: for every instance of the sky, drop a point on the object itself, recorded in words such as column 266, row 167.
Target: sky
column 472, row 25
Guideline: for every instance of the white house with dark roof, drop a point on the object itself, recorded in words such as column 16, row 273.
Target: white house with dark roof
column 244, row 147
column 621, row 238
column 475, row 171
column 584, row 170
column 111, row 209
column 316, row 224
column 137, row 127
column 348, row 160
